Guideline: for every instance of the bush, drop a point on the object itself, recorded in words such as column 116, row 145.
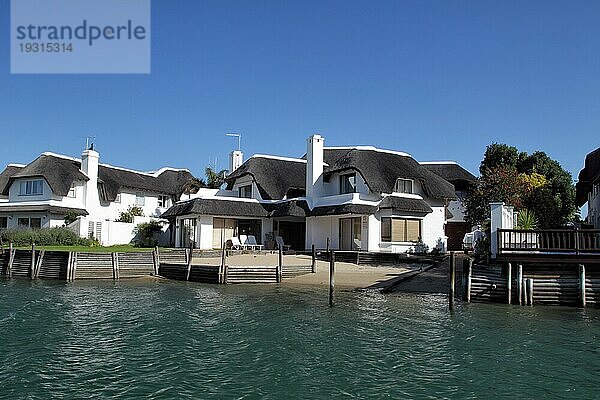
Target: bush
column 127, row 216
column 147, row 233
column 44, row 237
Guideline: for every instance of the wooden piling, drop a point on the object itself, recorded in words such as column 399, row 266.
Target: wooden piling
column 582, row 285
column 69, row 266
column 279, row 264
column 11, row 259
column 331, row 276
column 469, row 278
column 530, row 291
column 189, row 265
column 508, row 283
column 38, row 263
column 520, row 283
column 74, row 267
column 313, row 264
column 32, row 265
column 452, row 279
column 222, row 266
column 327, row 248
column 156, row 259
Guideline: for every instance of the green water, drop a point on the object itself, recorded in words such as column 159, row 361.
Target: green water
column 178, row 340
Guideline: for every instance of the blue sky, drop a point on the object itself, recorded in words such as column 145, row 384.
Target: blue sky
column 438, row 79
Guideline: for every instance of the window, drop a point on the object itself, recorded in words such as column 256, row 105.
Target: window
column 3, row 222
column 34, row 223
column 140, row 200
column 400, row 230
column 403, row 186
column 118, row 198
column 72, row 191
column 164, row 201
column 245, row 191
column 31, row 188
column 348, row 183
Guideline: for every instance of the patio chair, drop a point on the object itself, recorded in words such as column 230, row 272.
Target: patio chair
column 235, row 244
column 357, row 244
column 244, row 241
column 251, row 242
column 282, row 245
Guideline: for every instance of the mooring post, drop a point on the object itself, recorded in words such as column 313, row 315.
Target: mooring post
column 189, row 265
column 331, row 276
column 32, row 265
column 114, row 266
column 313, row 264
column 156, row 260
column 452, row 279
column 279, row 264
column 69, row 266
column 11, row 259
column 469, row 278
column 222, row 266
column 327, row 248
column 530, row 291
column 508, row 283
column 582, row 284
column 520, row 283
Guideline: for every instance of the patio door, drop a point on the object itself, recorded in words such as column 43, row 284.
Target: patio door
column 350, row 233
column 223, row 230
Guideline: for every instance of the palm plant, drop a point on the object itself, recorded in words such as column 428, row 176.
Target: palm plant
column 527, row 220
column 214, row 179
column 193, row 185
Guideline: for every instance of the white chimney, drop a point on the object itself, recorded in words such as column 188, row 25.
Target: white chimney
column 314, row 166
column 236, row 158
column 89, row 166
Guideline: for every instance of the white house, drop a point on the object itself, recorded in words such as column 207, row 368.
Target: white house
column 588, row 188
column 464, row 182
column 356, row 198
column 41, row 193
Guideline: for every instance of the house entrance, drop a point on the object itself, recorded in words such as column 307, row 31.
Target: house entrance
column 350, row 233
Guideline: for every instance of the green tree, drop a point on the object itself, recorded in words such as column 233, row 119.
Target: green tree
column 214, row 179
column 193, row 185
column 526, row 181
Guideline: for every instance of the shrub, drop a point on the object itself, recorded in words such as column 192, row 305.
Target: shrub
column 127, row 216
column 44, row 237
column 146, row 233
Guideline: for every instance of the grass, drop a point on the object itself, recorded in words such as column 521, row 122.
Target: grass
column 125, row 248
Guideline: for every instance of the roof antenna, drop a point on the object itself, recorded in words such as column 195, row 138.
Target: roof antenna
column 239, row 138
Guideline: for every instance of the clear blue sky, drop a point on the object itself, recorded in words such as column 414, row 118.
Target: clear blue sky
column 438, row 79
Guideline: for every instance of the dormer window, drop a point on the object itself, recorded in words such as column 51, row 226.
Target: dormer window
column 403, row 186
column 72, row 191
column 31, row 188
column 164, row 201
column 245, row 192
column 348, row 183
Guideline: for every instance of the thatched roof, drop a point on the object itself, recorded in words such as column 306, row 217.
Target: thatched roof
column 294, row 208
column 404, row 204
column 41, row 208
column 230, row 208
column 342, row 209
column 589, row 175
column 60, row 173
column 169, row 182
column 8, row 173
column 381, row 169
column 274, row 176
column 453, row 173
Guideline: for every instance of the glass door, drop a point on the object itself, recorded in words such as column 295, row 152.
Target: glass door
column 350, row 233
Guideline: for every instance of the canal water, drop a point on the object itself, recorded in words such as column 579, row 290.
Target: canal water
column 160, row 339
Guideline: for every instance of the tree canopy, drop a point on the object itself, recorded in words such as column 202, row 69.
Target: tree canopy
column 533, row 182
column 214, row 180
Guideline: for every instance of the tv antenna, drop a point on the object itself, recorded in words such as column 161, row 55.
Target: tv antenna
column 89, row 139
column 239, row 138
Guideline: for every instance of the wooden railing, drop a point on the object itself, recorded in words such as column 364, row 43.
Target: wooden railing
column 570, row 241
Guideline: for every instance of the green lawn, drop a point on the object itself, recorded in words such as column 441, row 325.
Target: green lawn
column 125, row 248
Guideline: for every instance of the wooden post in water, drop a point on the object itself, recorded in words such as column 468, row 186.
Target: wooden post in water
column 38, row 263
column 32, row 265
column 530, row 291
column 582, row 284
column 115, row 266
column 469, row 278
column 222, row 266
column 313, row 264
column 69, row 266
column 189, row 265
column 520, row 283
column 508, row 283
column 452, row 279
column 156, row 260
column 74, row 267
column 331, row 276
column 280, row 264
column 11, row 259
column 327, row 248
